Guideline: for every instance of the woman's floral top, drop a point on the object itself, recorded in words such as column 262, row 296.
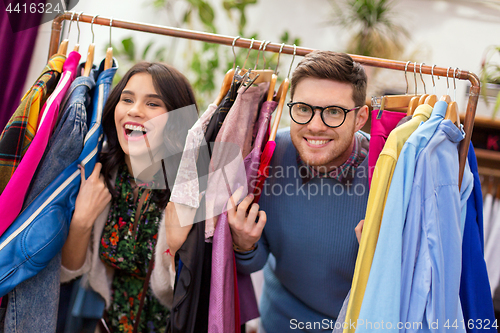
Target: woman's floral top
column 130, row 257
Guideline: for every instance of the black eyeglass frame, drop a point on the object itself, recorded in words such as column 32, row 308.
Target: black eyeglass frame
column 313, row 108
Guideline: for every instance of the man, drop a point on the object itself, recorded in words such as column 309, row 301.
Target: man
column 313, row 199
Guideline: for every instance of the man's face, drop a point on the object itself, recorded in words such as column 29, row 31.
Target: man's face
column 318, row 145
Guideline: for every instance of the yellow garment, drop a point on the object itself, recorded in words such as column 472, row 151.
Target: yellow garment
column 381, row 181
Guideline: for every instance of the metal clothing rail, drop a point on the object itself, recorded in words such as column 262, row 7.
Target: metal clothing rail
column 288, row 49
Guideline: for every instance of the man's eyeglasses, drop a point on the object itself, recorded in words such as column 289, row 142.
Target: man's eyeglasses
column 332, row 116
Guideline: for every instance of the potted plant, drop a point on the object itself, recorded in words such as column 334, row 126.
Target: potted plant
column 374, row 31
column 490, row 78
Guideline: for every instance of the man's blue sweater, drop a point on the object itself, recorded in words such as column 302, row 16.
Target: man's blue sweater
column 308, row 246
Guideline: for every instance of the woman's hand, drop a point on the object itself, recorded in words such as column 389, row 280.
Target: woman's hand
column 91, row 201
column 359, row 229
column 177, row 234
column 92, row 198
column 246, row 232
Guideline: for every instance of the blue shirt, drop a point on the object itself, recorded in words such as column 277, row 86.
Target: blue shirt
column 475, row 293
column 385, row 305
column 432, row 237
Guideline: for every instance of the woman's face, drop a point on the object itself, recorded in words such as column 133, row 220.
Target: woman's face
column 140, row 117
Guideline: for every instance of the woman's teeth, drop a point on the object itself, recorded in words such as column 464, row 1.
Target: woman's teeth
column 135, row 130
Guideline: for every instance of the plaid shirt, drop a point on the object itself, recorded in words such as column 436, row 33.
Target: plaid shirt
column 344, row 173
column 21, row 128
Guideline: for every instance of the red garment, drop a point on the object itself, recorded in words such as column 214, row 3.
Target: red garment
column 383, row 122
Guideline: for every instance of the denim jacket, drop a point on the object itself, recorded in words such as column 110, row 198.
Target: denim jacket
column 33, row 303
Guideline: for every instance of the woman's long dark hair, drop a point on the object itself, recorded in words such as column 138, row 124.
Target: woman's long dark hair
column 174, row 90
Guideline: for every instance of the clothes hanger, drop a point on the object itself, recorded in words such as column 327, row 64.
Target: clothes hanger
column 90, row 54
column 397, row 102
column 243, row 70
column 265, row 75
column 425, row 95
column 432, row 98
column 415, row 99
column 228, row 78
column 63, row 47
column 452, row 110
column 108, row 61
column 447, row 97
column 274, row 77
column 282, row 91
column 77, row 45
column 278, row 93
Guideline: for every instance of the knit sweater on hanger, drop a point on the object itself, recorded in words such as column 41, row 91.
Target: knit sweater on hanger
column 310, row 236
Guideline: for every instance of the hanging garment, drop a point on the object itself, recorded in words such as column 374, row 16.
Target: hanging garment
column 12, row 198
column 388, row 245
column 21, row 128
column 487, row 214
column 492, row 249
column 213, row 131
column 381, row 182
column 66, row 143
column 383, row 122
column 223, row 109
column 236, row 132
column 189, row 312
column 253, row 160
column 495, row 210
column 39, row 233
column 308, row 220
column 475, row 293
column 432, row 237
column 186, row 189
column 64, row 147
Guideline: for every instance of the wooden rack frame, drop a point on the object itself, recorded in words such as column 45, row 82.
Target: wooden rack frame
column 288, row 49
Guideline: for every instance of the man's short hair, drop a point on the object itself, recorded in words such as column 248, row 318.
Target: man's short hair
column 333, row 66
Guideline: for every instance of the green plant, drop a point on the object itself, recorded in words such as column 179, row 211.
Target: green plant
column 490, row 73
column 372, row 22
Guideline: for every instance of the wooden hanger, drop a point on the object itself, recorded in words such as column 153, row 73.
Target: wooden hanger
column 282, row 91
column 452, row 112
column 424, row 96
column 412, row 105
column 226, row 85
column 272, row 84
column 399, row 103
column 257, row 75
column 90, row 54
column 431, row 99
column 274, row 77
column 108, row 61
column 77, row 45
column 422, row 99
column 63, row 47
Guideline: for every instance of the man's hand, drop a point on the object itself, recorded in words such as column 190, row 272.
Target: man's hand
column 359, row 229
column 243, row 227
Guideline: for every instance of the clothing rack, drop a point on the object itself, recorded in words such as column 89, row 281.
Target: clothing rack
column 288, row 49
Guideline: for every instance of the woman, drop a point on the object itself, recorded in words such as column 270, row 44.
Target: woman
column 116, row 222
